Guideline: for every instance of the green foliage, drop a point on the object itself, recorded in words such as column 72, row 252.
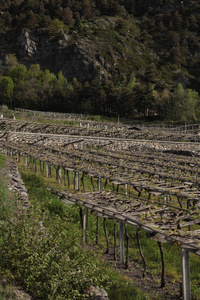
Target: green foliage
column 184, row 104
column 46, row 256
column 56, row 207
column 6, row 89
column 55, row 27
column 43, row 253
column 18, row 73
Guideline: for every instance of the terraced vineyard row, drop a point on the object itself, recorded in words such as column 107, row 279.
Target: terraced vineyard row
column 99, row 130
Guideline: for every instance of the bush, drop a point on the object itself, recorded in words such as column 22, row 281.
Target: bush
column 56, row 207
column 44, row 255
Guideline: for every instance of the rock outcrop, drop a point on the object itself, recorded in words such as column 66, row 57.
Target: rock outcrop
column 26, row 46
column 64, row 54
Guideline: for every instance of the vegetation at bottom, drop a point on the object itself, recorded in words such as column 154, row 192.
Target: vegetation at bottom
column 40, row 249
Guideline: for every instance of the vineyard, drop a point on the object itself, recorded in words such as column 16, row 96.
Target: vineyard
column 142, row 177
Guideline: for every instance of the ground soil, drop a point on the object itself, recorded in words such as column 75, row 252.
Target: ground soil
column 150, row 284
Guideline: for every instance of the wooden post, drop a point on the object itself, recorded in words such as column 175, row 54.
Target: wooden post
column 47, row 166
column 106, row 235
column 97, row 221
column 185, row 268
column 26, row 161
column 18, row 157
column 77, row 180
column 59, row 175
column 64, row 176
column 115, row 240
column 99, row 184
column 85, row 223
column 165, row 199
column 121, row 237
column 127, row 246
column 34, row 165
column 126, row 189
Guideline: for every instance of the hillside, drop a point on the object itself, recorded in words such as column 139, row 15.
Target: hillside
column 131, row 55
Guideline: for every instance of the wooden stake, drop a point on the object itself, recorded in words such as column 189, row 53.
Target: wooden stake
column 121, row 237
column 141, row 253
column 185, row 268
column 162, row 285
column 106, row 235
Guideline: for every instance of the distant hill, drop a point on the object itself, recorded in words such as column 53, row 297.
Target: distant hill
column 154, row 44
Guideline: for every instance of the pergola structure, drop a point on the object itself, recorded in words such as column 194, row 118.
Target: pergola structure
column 160, row 190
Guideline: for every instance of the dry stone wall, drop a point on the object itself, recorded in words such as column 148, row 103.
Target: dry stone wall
column 15, row 183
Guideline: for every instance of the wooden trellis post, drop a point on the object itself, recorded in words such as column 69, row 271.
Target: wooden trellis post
column 99, row 184
column 126, row 189
column 77, row 179
column 5, row 151
column 64, row 171
column 121, row 237
column 18, row 157
column 47, row 168
column 59, row 174
column 85, row 223
column 165, row 199
column 185, row 268
column 97, row 221
column 35, row 165
column 85, row 210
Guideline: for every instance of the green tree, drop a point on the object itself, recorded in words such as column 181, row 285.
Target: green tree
column 35, row 72
column 6, row 90
column 26, row 94
column 184, row 104
column 11, row 60
column 55, row 27
column 18, row 73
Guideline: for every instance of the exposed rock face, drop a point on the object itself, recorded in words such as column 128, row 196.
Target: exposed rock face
column 63, row 54
column 27, row 47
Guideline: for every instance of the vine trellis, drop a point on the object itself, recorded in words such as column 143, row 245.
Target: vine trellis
column 153, row 191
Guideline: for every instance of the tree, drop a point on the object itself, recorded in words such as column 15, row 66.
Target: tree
column 184, row 104
column 67, row 16
column 144, row 98
column 6, row 90
column 49, row 78
column 55, row 27
column 35, row 72
column 18, row 73
column 26, row 94
column 86, row 9
column 151, row 73
column 11, row 60
column 32, row 21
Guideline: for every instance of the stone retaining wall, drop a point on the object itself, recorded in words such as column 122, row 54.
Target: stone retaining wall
column 15, row 183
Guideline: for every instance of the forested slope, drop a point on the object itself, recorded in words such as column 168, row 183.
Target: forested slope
column 125, row 57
